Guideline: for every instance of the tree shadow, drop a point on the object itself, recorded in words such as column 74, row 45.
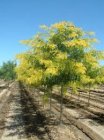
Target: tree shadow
column 26, row 121
column 97, row 117
column 34, row 121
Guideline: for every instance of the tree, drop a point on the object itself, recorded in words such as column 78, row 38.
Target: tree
column 61, row 54
column 7, row 70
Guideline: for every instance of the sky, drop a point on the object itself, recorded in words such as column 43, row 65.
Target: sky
column 20, row 20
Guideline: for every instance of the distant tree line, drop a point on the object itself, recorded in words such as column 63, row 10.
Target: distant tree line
column 7, row 70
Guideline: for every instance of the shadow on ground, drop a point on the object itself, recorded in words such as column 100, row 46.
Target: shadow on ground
column 99, row 117
column 26, row 121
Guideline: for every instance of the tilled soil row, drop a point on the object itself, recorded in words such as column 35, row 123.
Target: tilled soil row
column 4, row 111
column 51, row 123
column 86, row 111
column 34, row 118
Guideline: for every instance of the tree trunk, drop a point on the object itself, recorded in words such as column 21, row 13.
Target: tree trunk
column 50, row 99
column 89, row 97
column 79, row 96
column 61, row 105
column 43, row 100
column 71, row 94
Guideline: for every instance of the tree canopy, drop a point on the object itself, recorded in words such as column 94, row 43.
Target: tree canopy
column 60, row 54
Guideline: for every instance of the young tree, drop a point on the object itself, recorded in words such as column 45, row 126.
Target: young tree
column 61, row 54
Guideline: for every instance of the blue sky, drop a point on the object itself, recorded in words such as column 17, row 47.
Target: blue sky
column 20, row 19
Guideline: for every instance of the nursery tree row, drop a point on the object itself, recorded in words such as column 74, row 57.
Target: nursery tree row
column 61, row 54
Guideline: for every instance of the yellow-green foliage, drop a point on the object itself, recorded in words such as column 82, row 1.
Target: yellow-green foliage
column 60, row 54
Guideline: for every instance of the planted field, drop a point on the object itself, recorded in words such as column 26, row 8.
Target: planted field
column 24, row 115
